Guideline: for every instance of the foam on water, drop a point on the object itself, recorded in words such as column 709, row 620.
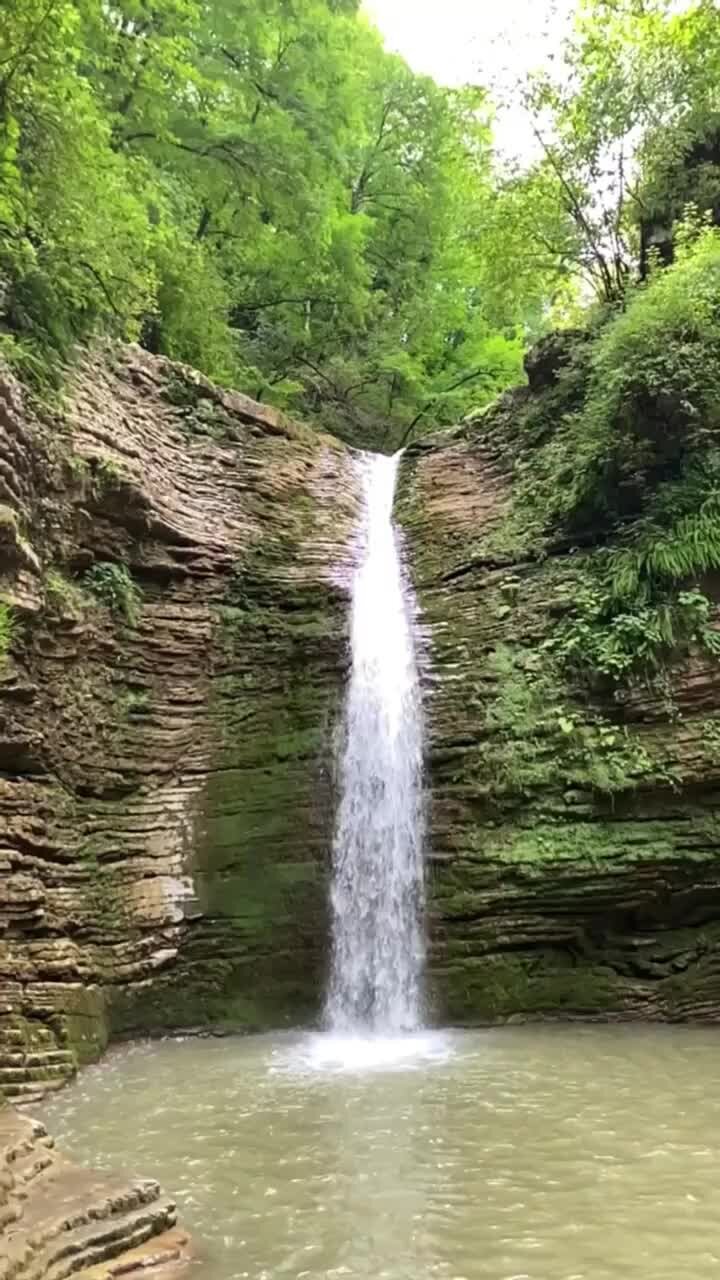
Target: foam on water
column 328, row 1053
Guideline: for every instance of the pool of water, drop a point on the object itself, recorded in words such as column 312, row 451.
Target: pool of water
column 542, row 1153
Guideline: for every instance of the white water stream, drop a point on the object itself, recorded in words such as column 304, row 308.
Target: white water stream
column 377, row 888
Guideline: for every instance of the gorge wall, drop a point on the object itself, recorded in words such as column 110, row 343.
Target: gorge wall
column 173, row 583
column 575, row 843
column 173, row 626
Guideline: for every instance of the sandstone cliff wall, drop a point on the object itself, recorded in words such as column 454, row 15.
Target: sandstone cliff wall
column 164, row 760
column 174, row 567
column 575, row 849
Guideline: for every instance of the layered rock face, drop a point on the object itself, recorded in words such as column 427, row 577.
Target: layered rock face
column 57, row 1220
column 175, row 560
column 173, row 616
column 566, row 880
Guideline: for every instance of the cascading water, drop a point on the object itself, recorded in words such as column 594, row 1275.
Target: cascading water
column 377, row 888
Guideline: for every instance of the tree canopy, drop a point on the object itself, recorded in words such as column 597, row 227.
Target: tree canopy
column 263, row 191
column 257, row 189
column 626, row 122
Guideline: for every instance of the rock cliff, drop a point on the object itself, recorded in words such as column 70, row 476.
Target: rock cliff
column 575, row 842
column 173, row 576
column 173, row 616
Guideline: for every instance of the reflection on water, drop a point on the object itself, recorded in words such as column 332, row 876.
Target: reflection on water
column 521, row 1154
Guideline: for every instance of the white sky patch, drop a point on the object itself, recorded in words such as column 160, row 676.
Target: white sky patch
column 461, row 41
column 488, row 42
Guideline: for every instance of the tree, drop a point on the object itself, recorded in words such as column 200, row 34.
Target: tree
column 263, row 191
column 73, row 226
column 633, row 88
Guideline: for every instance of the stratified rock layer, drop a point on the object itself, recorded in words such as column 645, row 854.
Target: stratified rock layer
column 165, row 762
column 57, row 1220
column 164, row 766
column 550, row 896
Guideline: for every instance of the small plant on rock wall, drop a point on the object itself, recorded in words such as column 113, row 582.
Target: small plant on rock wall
column 6, row 631
column 113, row 584
column 107, row 474
column 134, row 702
column 539, row 738
column 615, row 643
column 78, row 465
column 63, row 595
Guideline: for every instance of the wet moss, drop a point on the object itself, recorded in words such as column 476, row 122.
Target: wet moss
column 85, row 1026
column 498, row 987
column 574, row 834
column 228, row 995
column 255, row 956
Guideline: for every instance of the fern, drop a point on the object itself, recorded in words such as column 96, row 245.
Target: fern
column 114, row 586
column 665, row 557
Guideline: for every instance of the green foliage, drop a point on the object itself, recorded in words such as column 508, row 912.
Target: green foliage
column 74, row 230
column 79, row 466
column 632, row 418
column 7, row 626
column 262, row 191
column 114, row 586
column 606, row 643
column 107, row 474
column 63, row 594
column 133, row 703
column 626, row 131
column 622, row 450
column 654, row 393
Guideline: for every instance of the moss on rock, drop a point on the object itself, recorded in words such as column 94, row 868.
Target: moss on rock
column 574, row 836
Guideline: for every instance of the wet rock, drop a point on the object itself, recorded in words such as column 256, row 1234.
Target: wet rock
column 164, row 755
column 544, row 361
column 548, row 896
column 57, row 1220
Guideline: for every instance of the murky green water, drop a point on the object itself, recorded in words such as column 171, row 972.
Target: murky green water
column 521, row 1154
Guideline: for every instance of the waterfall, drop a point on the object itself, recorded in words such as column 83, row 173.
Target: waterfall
column 377, row 884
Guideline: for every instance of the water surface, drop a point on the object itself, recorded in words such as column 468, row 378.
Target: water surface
column 518, row 1154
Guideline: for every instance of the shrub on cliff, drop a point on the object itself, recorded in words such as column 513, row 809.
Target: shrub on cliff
column 114, row 586
column 7, row 620
column 619, row 452
column 630, row 419
column 653, row 402
column 652, row 473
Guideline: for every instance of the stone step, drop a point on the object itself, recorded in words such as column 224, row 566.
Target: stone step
column 47, row 1071
column 40, row 1246
column 19, row 1136
column 27, row 1099
column 23, row 1092
column 167, row 1255
column 86, row 1197
column 97, row 1242
column 28, row 1167
column 33, row 1058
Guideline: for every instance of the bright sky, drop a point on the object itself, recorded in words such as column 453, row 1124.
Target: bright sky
column 481, row 41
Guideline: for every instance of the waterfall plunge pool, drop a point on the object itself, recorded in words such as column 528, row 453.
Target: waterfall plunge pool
column 528, row 1153
column 378, row 1152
